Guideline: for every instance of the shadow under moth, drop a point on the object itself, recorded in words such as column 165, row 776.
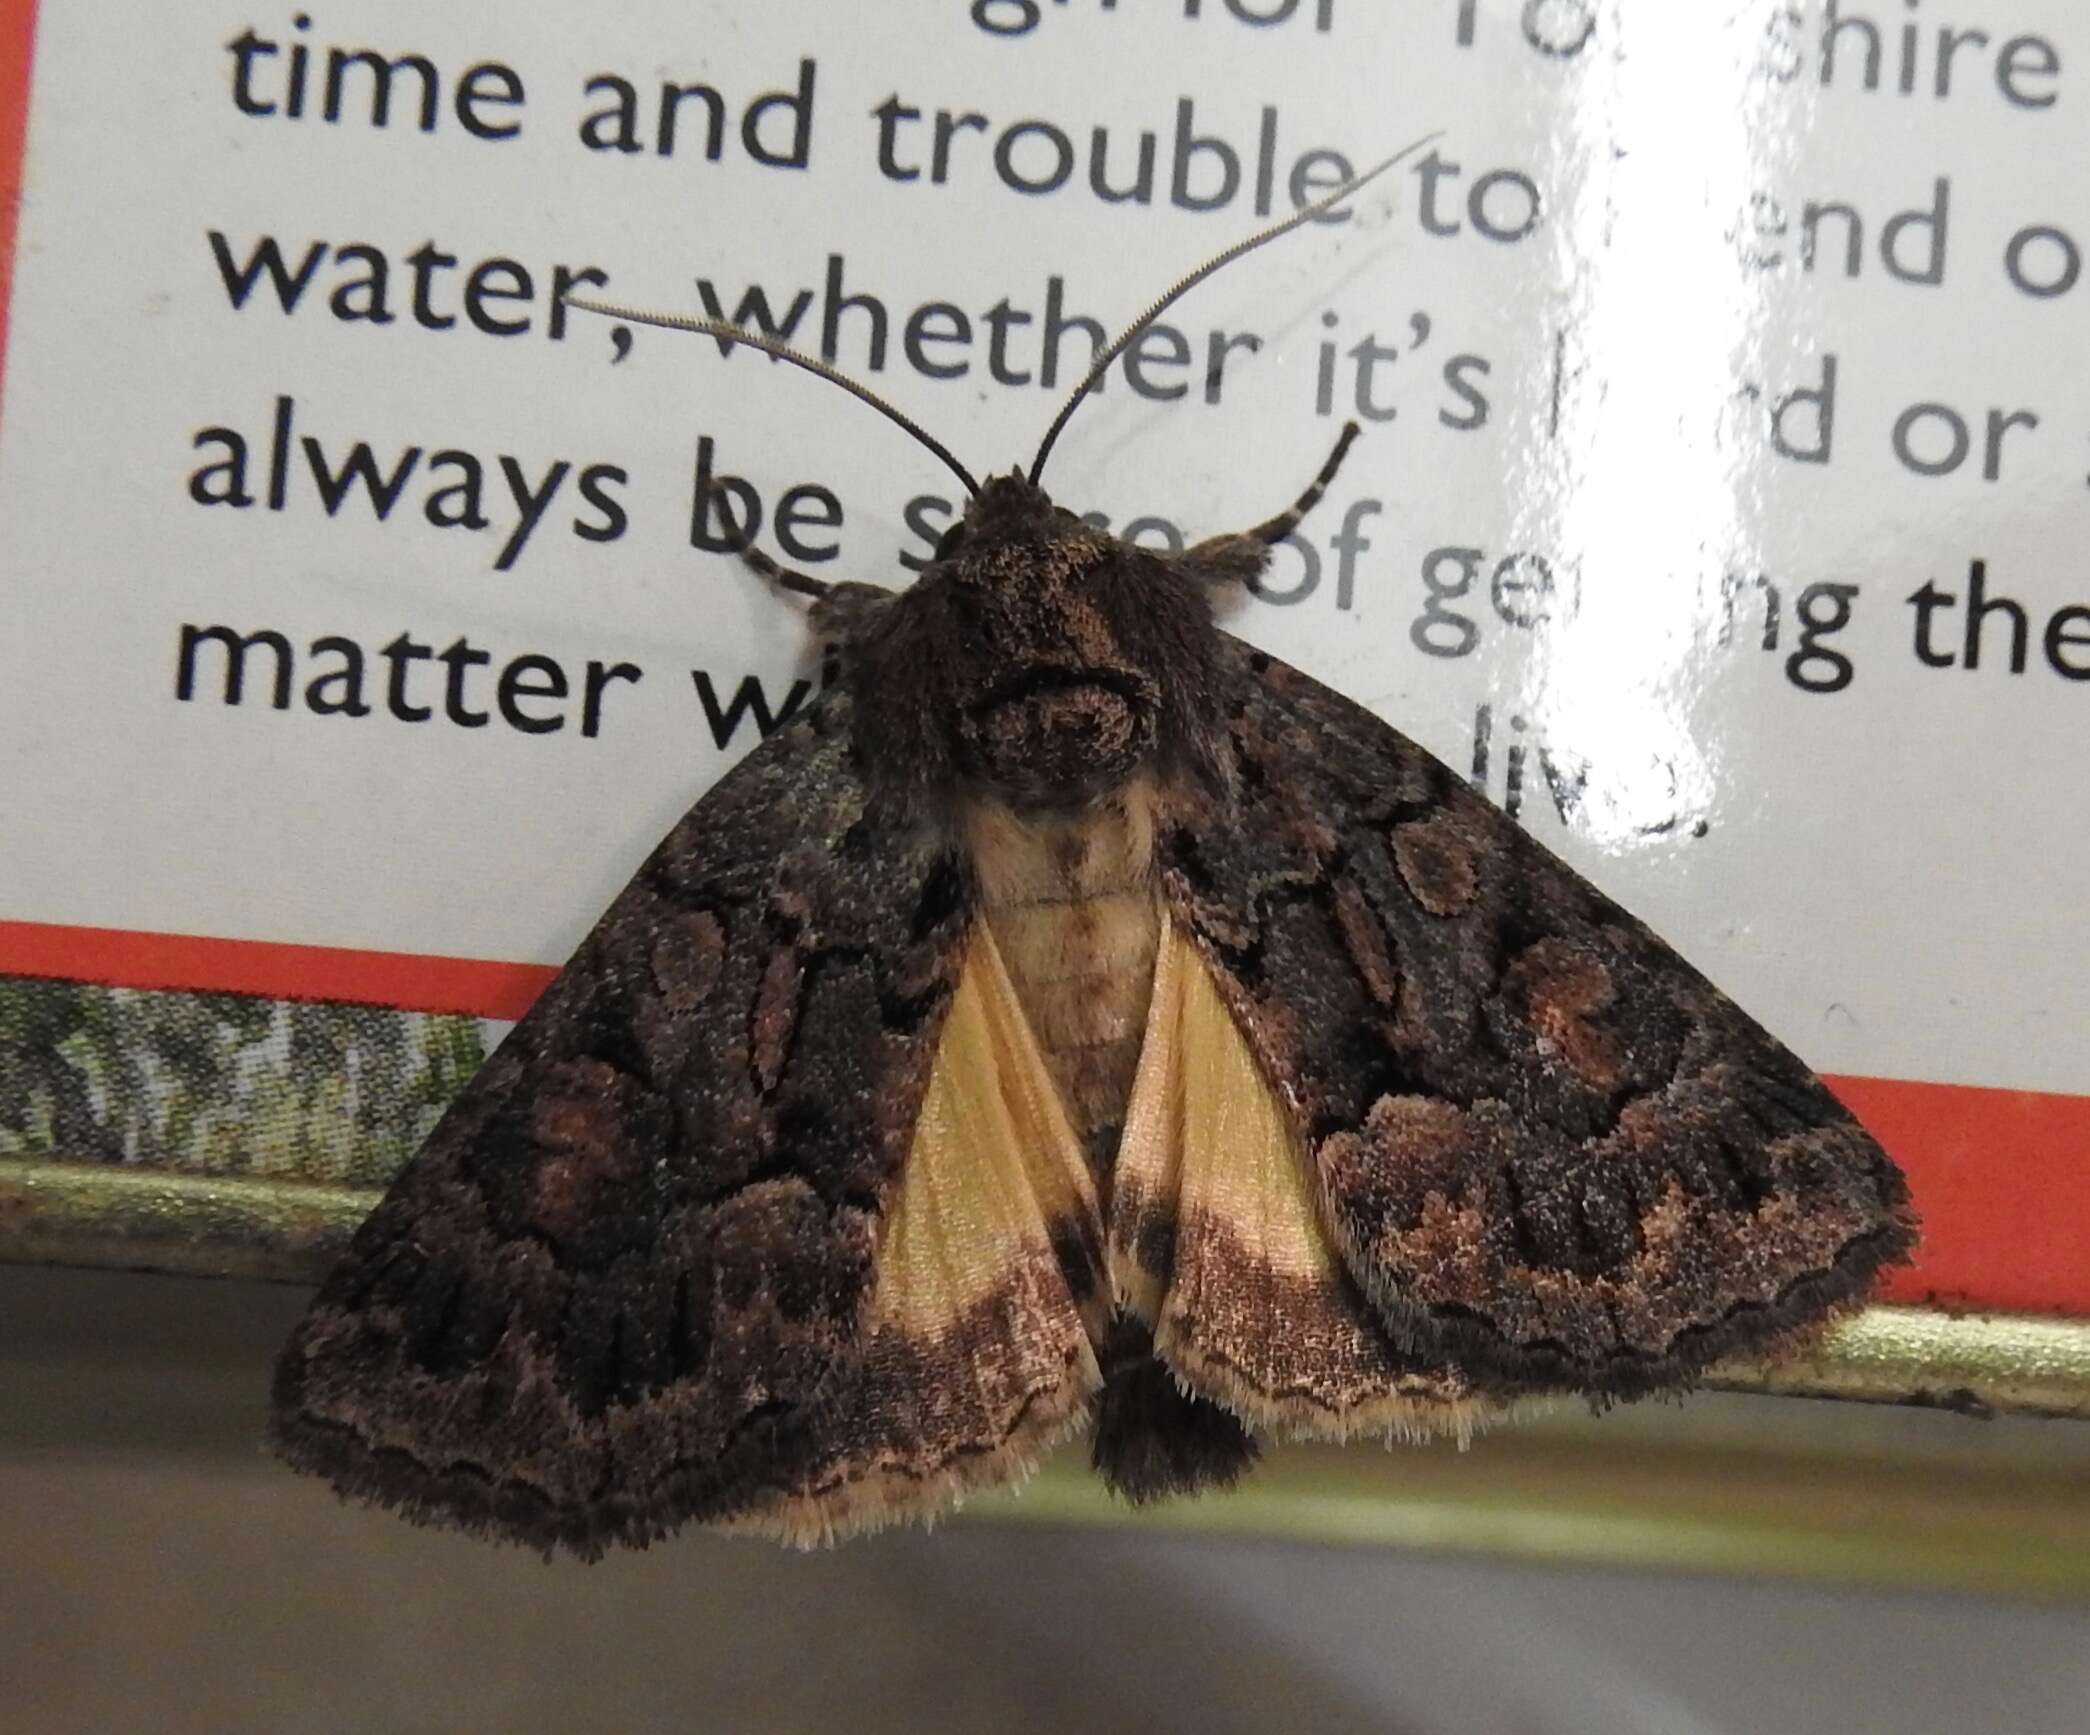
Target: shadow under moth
column 1074, row 1019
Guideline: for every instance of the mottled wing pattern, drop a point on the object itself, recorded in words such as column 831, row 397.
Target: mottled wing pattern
column 1547, row 1148
column 624, row 1283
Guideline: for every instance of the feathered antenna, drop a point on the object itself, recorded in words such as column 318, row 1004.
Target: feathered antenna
column 783, row 352
column 1184, row 285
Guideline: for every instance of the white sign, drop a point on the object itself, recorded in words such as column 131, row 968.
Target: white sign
column 1720, row 507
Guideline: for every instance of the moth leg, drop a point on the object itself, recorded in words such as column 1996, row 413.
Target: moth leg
column 1241, row 555
column 1276, row 529
column 835, row 602
column 785, row 577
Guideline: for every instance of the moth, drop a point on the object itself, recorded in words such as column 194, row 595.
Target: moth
column 1073, row 1019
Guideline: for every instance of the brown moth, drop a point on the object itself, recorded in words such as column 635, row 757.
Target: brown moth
column 1075, row 1018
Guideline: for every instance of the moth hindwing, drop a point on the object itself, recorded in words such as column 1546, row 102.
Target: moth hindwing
column 1074, row 1018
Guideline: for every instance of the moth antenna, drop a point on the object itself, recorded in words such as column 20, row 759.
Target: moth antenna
column 1184, row 285
column 783, row 352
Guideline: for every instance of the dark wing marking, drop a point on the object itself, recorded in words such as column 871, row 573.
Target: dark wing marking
column 620, row 1284
column 1549, row 1149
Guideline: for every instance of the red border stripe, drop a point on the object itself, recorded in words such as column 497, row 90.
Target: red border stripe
column 410, row 981
column 17, row 54
column 2001, row 1177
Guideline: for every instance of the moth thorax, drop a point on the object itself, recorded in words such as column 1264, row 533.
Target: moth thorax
column 1059, row 732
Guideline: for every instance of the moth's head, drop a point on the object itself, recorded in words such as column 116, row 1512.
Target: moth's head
column 1038, row 656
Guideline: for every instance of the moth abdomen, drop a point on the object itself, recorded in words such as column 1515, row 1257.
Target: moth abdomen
column 1154, row 1440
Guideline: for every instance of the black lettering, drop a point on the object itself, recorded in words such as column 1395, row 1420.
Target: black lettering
column 1187, row 146
column 615, row 128
column 460, row 659
column 798, row 104
column 1833, row 27
column 402, row 653
column 348, row 702
column 948, row 127
column 1057, row 324
column 1002, row 319
column 1459, row 374
column 1432, row 169
column 1309, row 183
column 497, row 280
column 1141, row 190
column 231, row 471
column 492, row 85
column 937, row 322
column 530, row 504
column 807, row 506
column 427, row 260
column 1522, row 589
column 1731, row 588
column 2060, row 639
column 748, row 701
column 739, row 508
column 1173, row 352
column 889, row 114
column 754, row 312
column 360, row 466
column 236, row 646
column 1218, row 347
column 1980, row 605
column 595, row 483
column 366, row 297
column 835, row 304
column 2022, row 57
column 1957, row 439
column 246, row 48
column 1927, row 602
column 266, row 258
column 1426, row 631
column 1006, row 17
column 564, row 281
column 1795, row 444
column 1368, row 353
column 1823, row 610
column 1057, row 142
column 928, row 516
column 381, row 72
column 1309, row 574
column 1811, row 218
column 516, row 686
column 672, row 97
column 457, row 503
column 599, row 678
column 2056, row 279
column 1931, row 221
